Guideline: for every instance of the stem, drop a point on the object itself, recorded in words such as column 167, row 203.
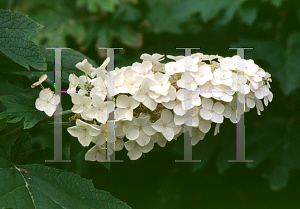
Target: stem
column 66, row 112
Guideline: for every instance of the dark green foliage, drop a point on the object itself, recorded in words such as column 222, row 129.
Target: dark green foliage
column 271, row 27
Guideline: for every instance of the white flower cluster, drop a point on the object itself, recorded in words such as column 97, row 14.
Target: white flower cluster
column 153, row 100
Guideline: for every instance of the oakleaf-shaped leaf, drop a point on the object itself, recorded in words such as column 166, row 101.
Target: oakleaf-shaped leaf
column 38, row 186
column 21, row 106
column 15, row 30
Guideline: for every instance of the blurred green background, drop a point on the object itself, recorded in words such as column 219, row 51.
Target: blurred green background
column 271, row 27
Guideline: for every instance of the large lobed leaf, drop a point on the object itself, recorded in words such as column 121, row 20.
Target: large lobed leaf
column 15, row 30
column 38, row 186
column 21, row 106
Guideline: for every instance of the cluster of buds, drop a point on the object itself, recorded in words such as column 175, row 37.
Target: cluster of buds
column 154, row 102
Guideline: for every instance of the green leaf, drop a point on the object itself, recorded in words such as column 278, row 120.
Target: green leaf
column 130, row 37
column 230, row 7
column 15, row 30
column 6, row 138
column 3, row 123
column 8, row 65
column 6, row 88
column 70, row 58
column 4, row 159
column 170, row 16
column 104, row 39
column 248, row 12
column 208, row 8
column 21, row 148
column 22, row 151
column 275, row 3
column 21, row 106
column 127, row 13
column 106, row 165
column 61, row 24
column 95, row 5
column 38, row 186
column 161, row 16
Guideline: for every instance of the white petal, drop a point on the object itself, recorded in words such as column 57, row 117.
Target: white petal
column 133, row 103
column 102, row 117
column 217, row 129
column 40, row 104
column 179, row 120
column 180, row 94
column 50, row 109
column 175, row 127
column 100, row 139
column 250, row 102
column 258, row 94
column 217, row 118
column 192, row 121
column 150, row 103
column 75, row 130
column 92, row 154
column 132, row 133
column 139, row 95
column 218, row 108
column 55, row 100
column 93, row 130
column 197, row 138
column 205, row 114
column 148, row 147
column 226, row 98
column 119, row 144
column 77, row 98
column 178, row 109
column 148, row 129
column 120, row 113
column 110, row 106
column 122, row 101
column 161, row 140
column 270, row 96
column 158, row 125
column 207, row 103
column 129, row 144
column 135, row 153
column 143, row 139
column 46, row 94
column 91, row 112
column 204, row 126
column 85, row 140
column 166, row 116
column 169, row 105
column 168, row 133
